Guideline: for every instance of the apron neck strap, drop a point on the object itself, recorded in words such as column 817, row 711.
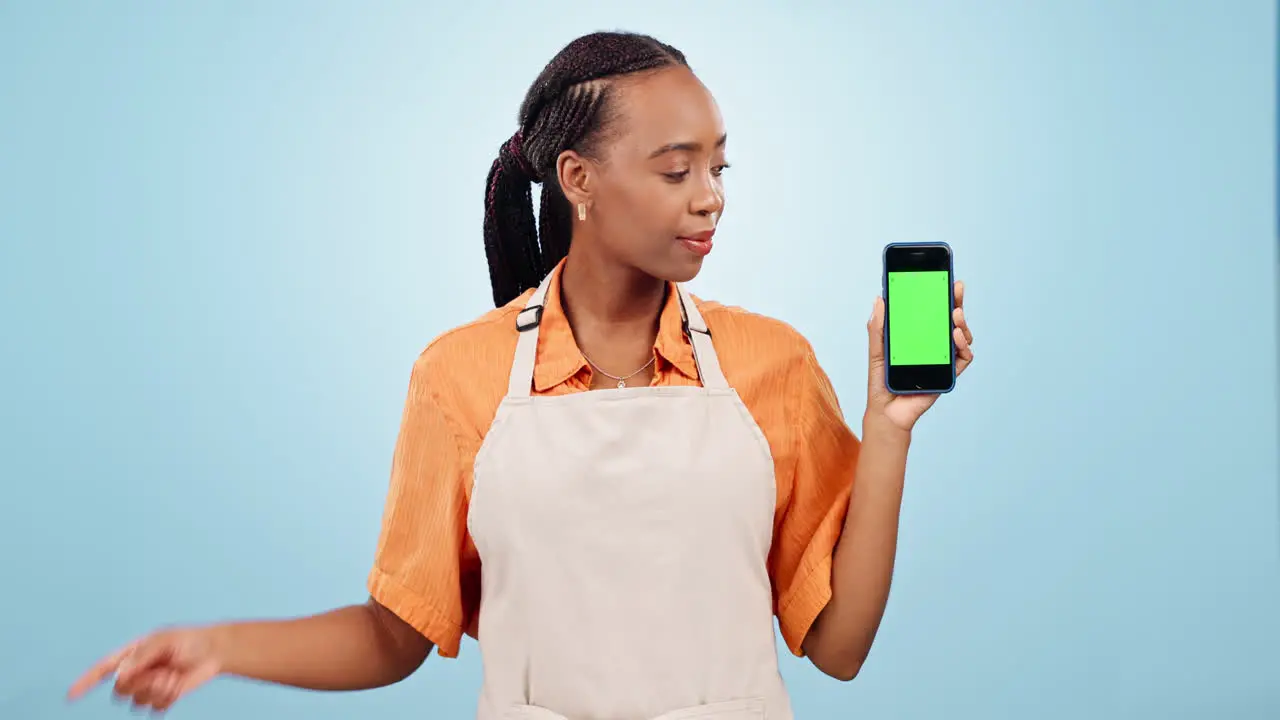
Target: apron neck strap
column 529, row 320
column 704, row 351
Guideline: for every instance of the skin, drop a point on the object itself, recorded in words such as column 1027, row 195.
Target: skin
column 638, row 201
column 658, row 179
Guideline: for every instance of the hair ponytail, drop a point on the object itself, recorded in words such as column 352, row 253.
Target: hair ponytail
column 563, row 110
column 510, row 236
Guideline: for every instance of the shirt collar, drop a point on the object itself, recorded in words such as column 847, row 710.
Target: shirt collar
column 558, row 356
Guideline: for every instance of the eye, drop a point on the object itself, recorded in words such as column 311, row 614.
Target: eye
column 718, row 169
column 676, row 176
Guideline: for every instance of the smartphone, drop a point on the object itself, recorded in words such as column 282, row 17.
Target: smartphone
column 918, row 290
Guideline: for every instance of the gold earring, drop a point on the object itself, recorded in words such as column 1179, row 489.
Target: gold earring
column 582, row 211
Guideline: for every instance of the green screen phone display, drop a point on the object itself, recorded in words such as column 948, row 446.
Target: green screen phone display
column 919, row 318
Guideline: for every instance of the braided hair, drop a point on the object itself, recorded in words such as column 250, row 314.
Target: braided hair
column 568, row 107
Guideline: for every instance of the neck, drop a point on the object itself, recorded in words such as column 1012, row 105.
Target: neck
column 601, row 293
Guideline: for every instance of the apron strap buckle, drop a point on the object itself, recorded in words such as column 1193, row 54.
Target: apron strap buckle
column 689, row 329
column 523, row 325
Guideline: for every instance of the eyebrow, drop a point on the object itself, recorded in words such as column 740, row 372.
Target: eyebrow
column 685, row 146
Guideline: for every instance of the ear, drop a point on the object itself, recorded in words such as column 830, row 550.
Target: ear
column 575, row 175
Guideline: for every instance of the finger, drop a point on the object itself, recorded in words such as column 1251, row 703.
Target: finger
column 99, row 672
column 189, row 681
column 143, row 694
column 959, row 293
column 136, row 688
column 145, row 656
column 165, row 691
column 141, row 666
column 964, row 352
column 169, row 693
column 957, row 318
column 129, row 687
column 159, row 690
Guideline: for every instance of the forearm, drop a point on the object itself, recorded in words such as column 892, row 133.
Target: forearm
column 351, row 648
column 862, row 566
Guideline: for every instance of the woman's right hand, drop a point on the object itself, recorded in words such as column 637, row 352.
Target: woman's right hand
column 156, row 670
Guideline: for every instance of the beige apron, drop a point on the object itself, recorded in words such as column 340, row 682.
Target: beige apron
column 624, row 536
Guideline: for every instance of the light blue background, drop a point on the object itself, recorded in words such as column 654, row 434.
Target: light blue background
column 229, row 228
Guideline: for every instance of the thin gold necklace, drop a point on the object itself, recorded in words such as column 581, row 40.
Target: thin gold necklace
column 622, row 381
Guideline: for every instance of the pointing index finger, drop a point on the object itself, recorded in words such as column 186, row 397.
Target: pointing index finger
column 99, row 672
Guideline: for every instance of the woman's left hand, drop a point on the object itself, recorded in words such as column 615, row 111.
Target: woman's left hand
column 902, row 411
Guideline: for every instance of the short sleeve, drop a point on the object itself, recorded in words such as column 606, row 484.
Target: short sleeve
column 425, row 569
column 826, row 454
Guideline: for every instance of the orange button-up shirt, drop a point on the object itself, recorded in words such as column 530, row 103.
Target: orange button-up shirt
column 427, row 570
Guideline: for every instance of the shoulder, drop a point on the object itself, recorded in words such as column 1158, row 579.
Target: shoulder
column 746, row 338
column 768, row 362
column 469, row 347
column 464, row 370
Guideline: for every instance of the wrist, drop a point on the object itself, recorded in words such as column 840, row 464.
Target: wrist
column 880, row 430
column 220, row 641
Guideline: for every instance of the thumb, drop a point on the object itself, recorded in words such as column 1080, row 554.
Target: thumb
column 149, row 652
column 876, row 328
column 875, row 348
column 875, row 332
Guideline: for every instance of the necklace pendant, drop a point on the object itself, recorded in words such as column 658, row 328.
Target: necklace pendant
column 622, row 384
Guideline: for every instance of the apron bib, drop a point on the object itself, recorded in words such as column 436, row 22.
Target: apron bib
column 624, row 537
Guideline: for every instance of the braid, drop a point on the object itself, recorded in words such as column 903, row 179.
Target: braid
column 568, row 107
column 510, row 237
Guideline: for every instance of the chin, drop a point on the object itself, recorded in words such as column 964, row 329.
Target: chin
column 682, row 272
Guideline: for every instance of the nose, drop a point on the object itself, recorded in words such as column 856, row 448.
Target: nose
column 709, row 197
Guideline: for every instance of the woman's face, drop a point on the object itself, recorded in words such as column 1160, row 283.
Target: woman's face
column 657, row 194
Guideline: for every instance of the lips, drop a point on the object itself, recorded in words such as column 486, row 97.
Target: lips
column 699, row 243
